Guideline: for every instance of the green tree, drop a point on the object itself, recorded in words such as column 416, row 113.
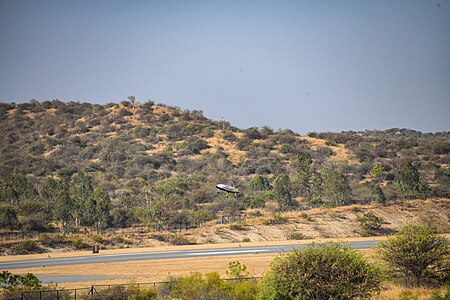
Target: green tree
column 282, row 192
column 260, row 190
column 329, row 271
column 16, row 188
column 34, row 215
column 378, row 193
column 8, row 217
column 336, row 189
column 307, row 181
column 80, row 190
column 56, row 195
column 417, row 255
column 102, row 206
column 407, row 178
column 259, row 183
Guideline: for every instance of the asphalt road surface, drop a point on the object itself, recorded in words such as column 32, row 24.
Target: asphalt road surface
column 112, row 258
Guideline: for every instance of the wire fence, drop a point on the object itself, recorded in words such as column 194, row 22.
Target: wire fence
column 132, row 230
column 106, row 291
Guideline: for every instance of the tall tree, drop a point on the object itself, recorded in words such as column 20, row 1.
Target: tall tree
column 336, row 189
column 80, row 190
column 16, row 188
column 282, row 192
column 407, row 178
column 307, row 180
column 102, row 206
column 378, row 193
column 259, row 183
column 8, row 217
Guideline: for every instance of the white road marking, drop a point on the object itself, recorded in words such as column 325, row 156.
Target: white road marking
column 226, row 252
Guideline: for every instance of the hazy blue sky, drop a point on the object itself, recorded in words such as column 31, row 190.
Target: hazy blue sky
column 303, row 65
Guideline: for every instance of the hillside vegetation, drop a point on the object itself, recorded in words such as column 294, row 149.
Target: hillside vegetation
column 67, row 165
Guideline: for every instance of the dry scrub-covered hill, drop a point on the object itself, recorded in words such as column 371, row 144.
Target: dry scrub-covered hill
column 117, row 164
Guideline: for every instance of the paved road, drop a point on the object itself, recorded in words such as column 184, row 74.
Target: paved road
column 111, row 258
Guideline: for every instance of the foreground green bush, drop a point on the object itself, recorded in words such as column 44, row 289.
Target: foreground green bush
column 329, row 271
column 208, row 286
column 417, row 255
column 120, row 292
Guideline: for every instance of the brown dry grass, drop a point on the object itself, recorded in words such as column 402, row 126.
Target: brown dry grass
column 234, row 154
column 340, row 152
column 393, row 292
column 158, row 270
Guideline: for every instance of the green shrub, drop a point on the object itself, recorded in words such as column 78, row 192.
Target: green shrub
column 49, row 240
column 246, row 240
column 141, row 293
column 370, row 224
column 417, row 255
column 195, row 286
column 208, row 286
column 97, row 238
column 246, row 290
column 12, row 282
column 79, row 243
column 181, row 240
column 239, row 225
column 329, row 271
column 121, row 240
column 296, row 236
column 27, row 245
column 237, row 270
column 276, row 218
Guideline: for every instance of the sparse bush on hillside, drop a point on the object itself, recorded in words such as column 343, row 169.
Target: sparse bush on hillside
column 26, row 246
column 239, row 225
column 370, row 224
column 276, row 218
column 296, row 236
